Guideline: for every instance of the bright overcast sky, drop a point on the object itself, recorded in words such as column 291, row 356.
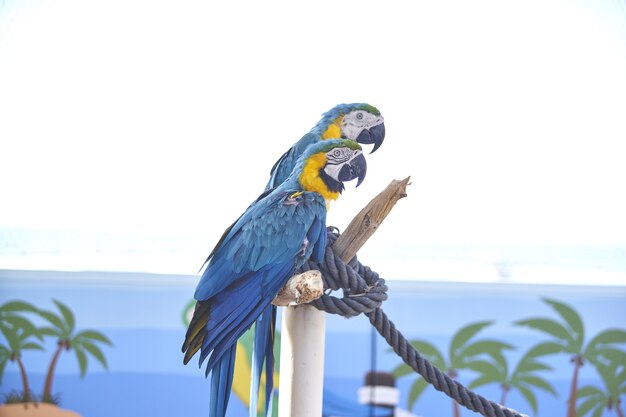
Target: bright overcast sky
column 160, row 117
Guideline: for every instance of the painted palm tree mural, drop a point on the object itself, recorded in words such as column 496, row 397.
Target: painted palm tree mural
column 524, row 377
column 21, row 334
column 83, row 343
column 596, row 400
column 568, row 336
column 464, row 353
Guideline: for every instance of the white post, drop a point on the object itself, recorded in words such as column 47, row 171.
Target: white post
column 301, row 362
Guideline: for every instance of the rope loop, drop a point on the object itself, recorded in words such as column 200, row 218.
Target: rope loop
column 364, row 292
column 363, row 289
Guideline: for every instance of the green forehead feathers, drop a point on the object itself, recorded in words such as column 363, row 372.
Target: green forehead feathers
column 340, row 143
column 369, row 108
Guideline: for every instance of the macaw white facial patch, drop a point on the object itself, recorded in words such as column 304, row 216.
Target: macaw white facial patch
column 354, row 122
column 337, row 158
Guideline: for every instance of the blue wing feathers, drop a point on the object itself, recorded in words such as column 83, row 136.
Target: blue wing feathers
column 253, row 260
column 235, row 308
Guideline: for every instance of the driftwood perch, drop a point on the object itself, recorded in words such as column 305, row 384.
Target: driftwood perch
column 364, row 224
column 304, row 288
column 300, row 289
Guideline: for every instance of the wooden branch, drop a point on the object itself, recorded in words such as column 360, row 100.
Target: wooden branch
column 364, row 224
column 300, row 289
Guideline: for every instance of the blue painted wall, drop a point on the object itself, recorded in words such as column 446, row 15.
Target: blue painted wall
column 141, row 314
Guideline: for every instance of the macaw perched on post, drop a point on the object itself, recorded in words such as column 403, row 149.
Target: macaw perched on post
column 359, row 122
column 257, row 255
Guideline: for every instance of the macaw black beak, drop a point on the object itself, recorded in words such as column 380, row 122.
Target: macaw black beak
column 356, row 168
column 374, row 135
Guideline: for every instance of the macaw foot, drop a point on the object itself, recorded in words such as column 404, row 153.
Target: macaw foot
column 300, row 289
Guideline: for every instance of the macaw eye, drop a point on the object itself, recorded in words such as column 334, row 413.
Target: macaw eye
column 359, row 116
column 336, row 152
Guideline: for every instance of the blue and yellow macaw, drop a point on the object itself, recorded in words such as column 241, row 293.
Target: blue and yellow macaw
column 257, row 255
column 360, row 122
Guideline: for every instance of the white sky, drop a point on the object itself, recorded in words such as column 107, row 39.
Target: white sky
column 164, row 118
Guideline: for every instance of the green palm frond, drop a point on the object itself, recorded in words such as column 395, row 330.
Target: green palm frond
column 17, row 306
column 488, row 373
column 530, row 363
column 613, row 376
column 598, row 411
column 603, row 347
column 606, row 356
column 67, row 314
column 535, row 381
column 546, row 348
column 50, row 331
column 12, row 337
column 15, row 321
column 32, row 346
column 3, row 365
column 416, row 390
column 485, row 346
column 529, row 366
column 463, row 335
column 96, row 353
column 480, row 381
column 94, row 335
column 4, row 352
column 550, row 327
column 488, row 369
column 430, row 352
column 594, row 399
column 588, row 391
column 463, row 354
column 402, row 370
column 573, row 320
column 187, row 312
column 589, row 404
column 608, row 337
column 529, row 396
column 61, row 327
column 82, row 360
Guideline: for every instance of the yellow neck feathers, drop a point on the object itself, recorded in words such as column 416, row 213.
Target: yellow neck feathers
column 333, row 131
column 310, row 177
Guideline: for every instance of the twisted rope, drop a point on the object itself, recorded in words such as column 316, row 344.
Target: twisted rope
column 364, row 292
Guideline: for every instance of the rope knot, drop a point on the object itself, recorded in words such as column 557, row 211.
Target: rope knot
column 363, row 289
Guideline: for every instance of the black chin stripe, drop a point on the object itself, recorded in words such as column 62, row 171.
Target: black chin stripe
column 332, row 184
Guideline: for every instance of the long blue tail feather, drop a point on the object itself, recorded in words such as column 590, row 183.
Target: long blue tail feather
column 221, row 383
column 263, row 350
column 269, row 366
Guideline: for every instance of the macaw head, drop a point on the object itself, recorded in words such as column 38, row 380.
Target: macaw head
column 326, row 165
column 360, row 122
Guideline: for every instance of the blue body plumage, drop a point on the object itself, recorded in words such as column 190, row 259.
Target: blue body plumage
column 252, row 261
